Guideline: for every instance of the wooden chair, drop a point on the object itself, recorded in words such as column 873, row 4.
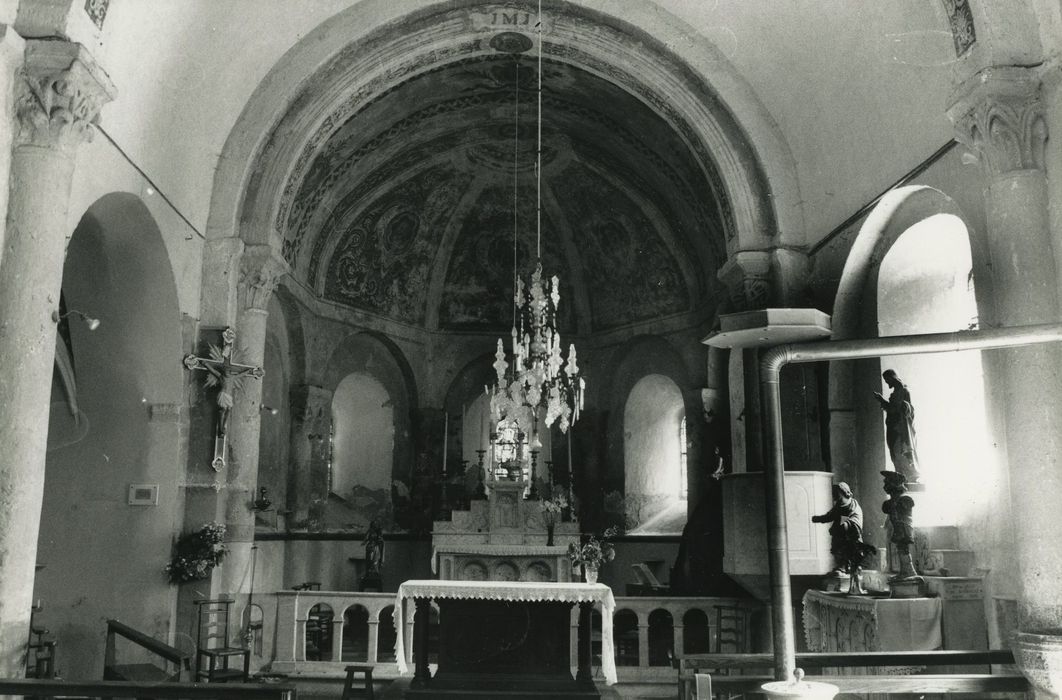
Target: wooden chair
column 349, row 691
column 214, row 649
column 731, row 630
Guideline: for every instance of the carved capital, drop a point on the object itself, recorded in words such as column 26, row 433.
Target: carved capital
column 747, row 278
column 999, row 114
column 260, row 271
column 59, row 95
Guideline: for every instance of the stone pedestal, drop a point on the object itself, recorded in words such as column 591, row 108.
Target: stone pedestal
column 1039, row 657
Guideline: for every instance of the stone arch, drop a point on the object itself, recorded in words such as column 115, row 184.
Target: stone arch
column 689, row 82
column 132, row 416
column 855, row 315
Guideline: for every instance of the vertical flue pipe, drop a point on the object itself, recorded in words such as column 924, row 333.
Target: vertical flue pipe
column 782, row 623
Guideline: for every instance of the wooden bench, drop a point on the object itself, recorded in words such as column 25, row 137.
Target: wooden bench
column 691, row 672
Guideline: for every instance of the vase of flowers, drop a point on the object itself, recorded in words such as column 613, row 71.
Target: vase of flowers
column 592, row 554
column 553, row 510
column 196, row 553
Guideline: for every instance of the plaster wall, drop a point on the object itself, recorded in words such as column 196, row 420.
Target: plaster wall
column 101, row 169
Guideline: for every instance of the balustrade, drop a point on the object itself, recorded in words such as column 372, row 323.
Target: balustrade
column 654, row 630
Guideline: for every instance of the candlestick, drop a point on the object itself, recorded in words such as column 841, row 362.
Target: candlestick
column 446, row 439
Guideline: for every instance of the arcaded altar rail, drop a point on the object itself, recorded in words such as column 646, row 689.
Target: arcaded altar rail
column 649, row 630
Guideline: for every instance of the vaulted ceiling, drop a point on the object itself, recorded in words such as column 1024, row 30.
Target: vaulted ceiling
column 408, row 211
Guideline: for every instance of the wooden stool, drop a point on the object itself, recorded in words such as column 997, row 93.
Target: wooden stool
column 348, row 687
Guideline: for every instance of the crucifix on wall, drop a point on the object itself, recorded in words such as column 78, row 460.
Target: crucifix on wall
column 228, row 376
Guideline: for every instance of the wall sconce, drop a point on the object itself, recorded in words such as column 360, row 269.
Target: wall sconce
column 270, row 410
column 92, row 323
column 262, row 503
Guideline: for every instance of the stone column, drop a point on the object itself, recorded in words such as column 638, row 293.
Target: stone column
column 260, row 271
column 311, row 415
column 58, row 96
column 999, row 115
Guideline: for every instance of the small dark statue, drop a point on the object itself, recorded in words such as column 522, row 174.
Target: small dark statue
column 374, row 556
column 899, row 509
column 849, row 551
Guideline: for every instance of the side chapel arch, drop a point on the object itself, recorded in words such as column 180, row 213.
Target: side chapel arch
column 856, row 433
column 128, row 430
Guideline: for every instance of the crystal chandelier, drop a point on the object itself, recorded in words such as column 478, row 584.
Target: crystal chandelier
column 535, row 377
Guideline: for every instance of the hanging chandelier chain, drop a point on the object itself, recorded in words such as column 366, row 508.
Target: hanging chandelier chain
column 538, row 151
column 536, row 383
column 516, row 185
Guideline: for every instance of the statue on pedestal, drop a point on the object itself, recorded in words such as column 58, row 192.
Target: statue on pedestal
column 899, row 426
column 846, row 535
column 899, row 508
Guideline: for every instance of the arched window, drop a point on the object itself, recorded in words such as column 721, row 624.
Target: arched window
column 925, row 285
column 654, row 450
column 363, row 436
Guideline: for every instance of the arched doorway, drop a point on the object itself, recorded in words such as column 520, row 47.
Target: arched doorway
column 110, row 465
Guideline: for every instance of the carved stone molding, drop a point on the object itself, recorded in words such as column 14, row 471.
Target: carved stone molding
column 747, row 278
column 260, row 271
column 999, row 114
column 59, row 95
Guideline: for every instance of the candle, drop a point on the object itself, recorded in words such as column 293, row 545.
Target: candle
column 570, row 431
column 446, row 438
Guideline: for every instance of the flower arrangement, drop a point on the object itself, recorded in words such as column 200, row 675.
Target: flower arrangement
column 594, row 552
column 554, row 506
column 196, row 553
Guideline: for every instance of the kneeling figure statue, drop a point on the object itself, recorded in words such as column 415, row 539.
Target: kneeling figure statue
column 849, row 551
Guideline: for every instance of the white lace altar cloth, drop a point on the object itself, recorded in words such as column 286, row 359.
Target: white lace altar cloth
column 514, row 591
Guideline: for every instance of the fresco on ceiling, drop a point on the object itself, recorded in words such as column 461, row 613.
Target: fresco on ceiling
column 630, row 273
column 383, row 262
column 479, row 279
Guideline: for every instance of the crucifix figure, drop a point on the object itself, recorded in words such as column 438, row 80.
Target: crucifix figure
column 227, row 375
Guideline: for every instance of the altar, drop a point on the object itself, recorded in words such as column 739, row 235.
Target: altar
column 520, row 644
column 504, row 537
column 837, row 622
